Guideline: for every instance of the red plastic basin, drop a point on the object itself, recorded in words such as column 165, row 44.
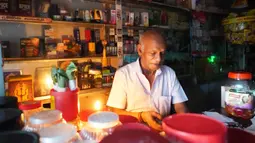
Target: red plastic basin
column 240, row 136
column 194, row 128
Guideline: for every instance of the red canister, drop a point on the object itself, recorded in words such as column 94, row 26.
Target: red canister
column 67, row 103
column 194, row 128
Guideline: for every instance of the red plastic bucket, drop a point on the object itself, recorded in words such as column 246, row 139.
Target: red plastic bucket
column 194, row 128
column 134, row 136
column 67, row 103
column 240, row 136
column 132, row 126
column 127, row 119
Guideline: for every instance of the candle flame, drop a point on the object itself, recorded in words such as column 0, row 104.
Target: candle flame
column 97, row 105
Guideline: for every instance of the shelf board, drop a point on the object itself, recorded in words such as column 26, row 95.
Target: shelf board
column 153, row 27
column 48, row 21
column 214, row 11
column 35, row 59
column 158, row 4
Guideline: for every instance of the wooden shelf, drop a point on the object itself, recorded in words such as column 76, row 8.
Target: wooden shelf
column 48, row 21
column 214, row 11
column 154, row 27
column 160, row 5
column 36, row 59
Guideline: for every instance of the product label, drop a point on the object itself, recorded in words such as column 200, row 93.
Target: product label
column 239, row 100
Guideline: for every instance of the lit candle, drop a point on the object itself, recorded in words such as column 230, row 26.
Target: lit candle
column 97, row 105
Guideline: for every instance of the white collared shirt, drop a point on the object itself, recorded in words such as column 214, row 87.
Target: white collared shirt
column 131, row 90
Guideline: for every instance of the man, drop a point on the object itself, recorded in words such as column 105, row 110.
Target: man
column 146, row 89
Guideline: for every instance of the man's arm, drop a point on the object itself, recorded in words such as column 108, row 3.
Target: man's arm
column 179, row 96
column 148, row 117
column 180, row 108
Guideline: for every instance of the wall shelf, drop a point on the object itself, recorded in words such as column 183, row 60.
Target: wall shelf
column 36, row 59
column 154, row 27
column 48, row 21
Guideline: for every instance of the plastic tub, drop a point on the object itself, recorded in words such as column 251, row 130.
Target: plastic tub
column 59, row 133
column 127, row 119
column 191, row 128
column 29, row 108
column 8, row 102
column 132, row 126
column 134, row 136
column 10, row 119
column 67, row 103
column 240, row 136
column 19, row 137
column 99, row 125
column 43, row 119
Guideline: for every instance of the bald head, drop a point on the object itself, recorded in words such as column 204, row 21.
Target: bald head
column 153, row 36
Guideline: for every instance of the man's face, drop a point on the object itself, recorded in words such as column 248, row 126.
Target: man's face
column 152, row 55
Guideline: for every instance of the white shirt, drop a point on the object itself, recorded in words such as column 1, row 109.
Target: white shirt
column 131, row 90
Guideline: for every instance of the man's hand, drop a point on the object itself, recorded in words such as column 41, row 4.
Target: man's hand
column 150, row 118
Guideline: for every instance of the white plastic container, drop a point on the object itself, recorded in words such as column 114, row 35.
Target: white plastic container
column 99, row 125
column 59, row 133
column 43, row 119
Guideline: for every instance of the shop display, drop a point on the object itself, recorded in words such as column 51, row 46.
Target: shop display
column 43, row 119
column 29, row 108
column 59, row 133
column 240, row 29
column 239, row 99
column 21, row 87
column 201, row 128
column 99, row 125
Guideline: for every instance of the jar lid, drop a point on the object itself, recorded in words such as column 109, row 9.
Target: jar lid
column 58, row 133
column 28, row 105
column 46, row 117
column 8, row 102
column 103, row 119
column 240, row 75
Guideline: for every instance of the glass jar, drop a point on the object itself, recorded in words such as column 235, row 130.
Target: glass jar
column 239, row 99
column 43, row 119
column 29, row 108
column 59, row 133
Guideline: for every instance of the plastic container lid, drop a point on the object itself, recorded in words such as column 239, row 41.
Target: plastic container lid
column 240, row 75
column 9, row 119
column 43, row 117
column 103, row 119
column 134, row 136
column 28, row 105
column 8, row 102
column 19, row 137
column 193, row 127
column 58, row 133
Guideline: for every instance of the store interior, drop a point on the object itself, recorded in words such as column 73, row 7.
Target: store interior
column 74, row 47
